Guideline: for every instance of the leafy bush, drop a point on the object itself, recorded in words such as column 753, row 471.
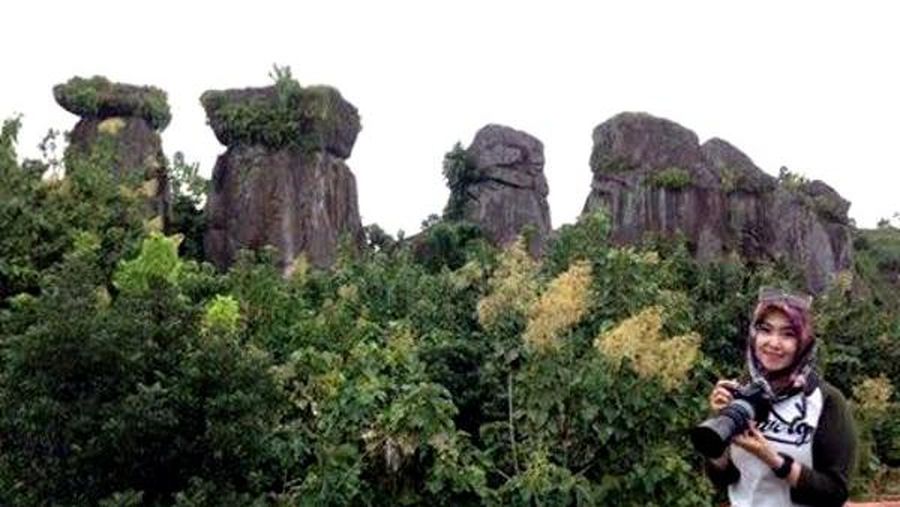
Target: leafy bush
column 187, row 218
column 603, row 163
column 146, row 397
column 40, row 218
column 879, row 432
column 671, row 178
column 459, row 173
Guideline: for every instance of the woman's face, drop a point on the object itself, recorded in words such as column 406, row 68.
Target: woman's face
column 776, row 341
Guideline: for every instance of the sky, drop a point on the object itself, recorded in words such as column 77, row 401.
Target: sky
column 808, row 85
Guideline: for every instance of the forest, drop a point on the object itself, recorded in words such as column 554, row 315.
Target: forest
column 438, row 369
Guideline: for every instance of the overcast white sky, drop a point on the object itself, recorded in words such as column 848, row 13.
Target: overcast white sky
column 810, row 85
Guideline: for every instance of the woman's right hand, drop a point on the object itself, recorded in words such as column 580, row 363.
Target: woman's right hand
column 721, row 396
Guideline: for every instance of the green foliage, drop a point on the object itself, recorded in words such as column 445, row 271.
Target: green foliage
column 186, row 181
column 791, row 180
column 222, row 314
column 736, row 180
column 187, row 218
column 449, row 244
column 875, row 412
column 139, row 404
column 877, row 258
column 671, row 178
column 827, row 205
column 437, row 370
column 287, row 115
column 40, row 218
column 459, row 173
column 157, row 263
column 99, row 97
column 603, row 163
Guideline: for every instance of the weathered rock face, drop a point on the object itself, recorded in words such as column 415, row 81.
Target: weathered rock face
column 126, row 120
column 506, row 191
column 291, row 190
column 654, row 177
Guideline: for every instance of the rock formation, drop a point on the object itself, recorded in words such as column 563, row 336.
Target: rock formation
column 504, row 190
column 654, row 177
column 126, row 119
column 283, row 180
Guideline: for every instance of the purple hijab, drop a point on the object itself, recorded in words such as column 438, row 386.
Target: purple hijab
column 795, row 377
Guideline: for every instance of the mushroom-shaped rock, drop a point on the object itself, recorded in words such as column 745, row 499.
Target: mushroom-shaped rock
column 125, row 119
column 98, row 97
column 283, row 181
column 315, row 118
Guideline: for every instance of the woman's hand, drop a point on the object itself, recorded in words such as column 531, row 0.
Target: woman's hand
column 756, row 444
column 721, row 396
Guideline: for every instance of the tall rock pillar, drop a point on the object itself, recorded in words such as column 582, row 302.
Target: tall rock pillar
column 283, row 181
column 127, row 120
column 503, row 188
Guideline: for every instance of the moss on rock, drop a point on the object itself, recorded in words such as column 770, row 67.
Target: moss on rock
column 315, row 118
column 671, row 178
column 98, row 97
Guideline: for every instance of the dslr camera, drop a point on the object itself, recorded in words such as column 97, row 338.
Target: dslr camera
column 751, row 401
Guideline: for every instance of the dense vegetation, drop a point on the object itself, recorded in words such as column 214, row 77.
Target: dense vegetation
column 132, row 373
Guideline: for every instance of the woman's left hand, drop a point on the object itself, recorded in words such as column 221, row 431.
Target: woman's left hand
column 755, row 443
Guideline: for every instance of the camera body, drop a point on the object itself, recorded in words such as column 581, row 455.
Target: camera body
column 751, row 401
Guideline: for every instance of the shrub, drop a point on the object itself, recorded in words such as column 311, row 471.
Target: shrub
column 459, row 173
column 671, row 178
column 143, row 401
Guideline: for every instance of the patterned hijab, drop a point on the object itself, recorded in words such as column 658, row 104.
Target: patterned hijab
column 798, row 376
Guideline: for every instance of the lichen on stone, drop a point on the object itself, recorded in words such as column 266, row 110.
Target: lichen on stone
column 111, row 126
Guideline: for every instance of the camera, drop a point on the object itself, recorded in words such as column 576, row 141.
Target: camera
column 751, row 401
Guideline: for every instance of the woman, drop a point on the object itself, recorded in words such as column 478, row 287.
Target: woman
column 802, row 454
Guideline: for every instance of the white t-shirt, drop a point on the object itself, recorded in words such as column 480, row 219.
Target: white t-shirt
column 789, row 429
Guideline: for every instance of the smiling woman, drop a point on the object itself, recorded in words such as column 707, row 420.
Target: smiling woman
column 802, row 453
column 776, row 341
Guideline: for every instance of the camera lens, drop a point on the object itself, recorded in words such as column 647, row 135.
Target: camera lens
column 712, row 436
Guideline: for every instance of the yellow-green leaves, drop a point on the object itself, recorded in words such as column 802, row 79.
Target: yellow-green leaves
column 221, row 316
column 158, row 261
column 561, row 306
column 639, row 339
column 873, row 395
column 513, row 287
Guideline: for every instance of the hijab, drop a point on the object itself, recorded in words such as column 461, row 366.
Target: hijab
column 798, row 376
